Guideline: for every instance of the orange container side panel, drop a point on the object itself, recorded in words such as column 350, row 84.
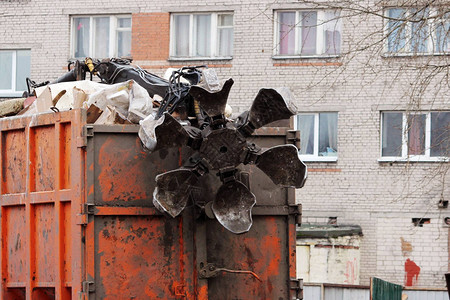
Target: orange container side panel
column 134, row 252
column 78, row 222
column 42, row 180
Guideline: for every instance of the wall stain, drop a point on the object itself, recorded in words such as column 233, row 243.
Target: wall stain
column 412, row 272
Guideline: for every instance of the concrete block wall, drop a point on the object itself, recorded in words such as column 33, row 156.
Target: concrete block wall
column 381, row 197
column 331, row 260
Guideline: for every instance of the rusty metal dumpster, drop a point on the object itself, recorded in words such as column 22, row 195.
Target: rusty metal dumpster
column 77, row 221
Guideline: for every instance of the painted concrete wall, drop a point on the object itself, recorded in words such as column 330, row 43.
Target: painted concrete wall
column 332, row 260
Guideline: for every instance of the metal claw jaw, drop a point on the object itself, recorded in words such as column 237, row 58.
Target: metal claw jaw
column 213, row 103
column 233, row 205
column 173, row 190
column 283, row 166
column 222, row 146
column 270, row 105
column 165, row 132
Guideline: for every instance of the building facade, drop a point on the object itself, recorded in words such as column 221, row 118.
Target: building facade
column 370, row 83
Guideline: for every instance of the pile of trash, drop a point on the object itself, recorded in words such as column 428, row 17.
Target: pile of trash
column 125, row 94
column 121, row 103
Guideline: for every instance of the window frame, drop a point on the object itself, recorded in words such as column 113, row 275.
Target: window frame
column 405, row 157
column 431, row 24
column 113, row 30
column 320, row 38
column 214, row 44
column 13, row 92
column 315, row 156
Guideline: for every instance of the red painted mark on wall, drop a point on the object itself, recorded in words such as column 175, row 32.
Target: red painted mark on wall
column 351, row 271
column 412, row 272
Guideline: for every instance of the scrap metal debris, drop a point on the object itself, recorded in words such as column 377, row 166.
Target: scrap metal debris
column 187, row 109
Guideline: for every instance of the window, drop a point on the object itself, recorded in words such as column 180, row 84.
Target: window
column 202, row 35
column 15, row 68
column 415, row 136
column 417, row 31
column 308, row 33
column 318, row 136
column 101, row 37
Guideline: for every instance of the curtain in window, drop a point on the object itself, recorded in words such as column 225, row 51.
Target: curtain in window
column 309, row 32
column 287, row 32
column 416, row 134
column 305, row 124
column 123, row 43
column 419, row 30
column 23, row 63
column 440, row 134
column 101, row 37
column 203, row 35
column 328, row 134
column 396, row 29
column 82, row 31
column 181, row 35
column 6, row 62
column 332, row 32
column 392, row 134
column 442, row 31
column 124, row 37
column 225, row 35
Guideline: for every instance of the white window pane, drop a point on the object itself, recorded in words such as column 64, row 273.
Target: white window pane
column 225, row 35
column 6, row 62
column 309, row 32
column 416, row 134
column 440, row 134
column 305, row 123
column 442, row 32
column 396, row 29
column 181, row 43
column 419, row 30
column 23, row 62
column 328, row 134
column 332, row 33
column 286, row 32
column 124, row 43
column 81, row 37
column 203, row 35
column 225, row 20
column 101, row 37
column 392, row 134
column 226, row 42
column 124, row 23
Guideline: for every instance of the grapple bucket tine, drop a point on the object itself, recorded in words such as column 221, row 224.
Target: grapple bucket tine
column 283, row 166
column 270, row 105
column 233, row 205
column 213, row 103
column 173, row 190
column 165, row 132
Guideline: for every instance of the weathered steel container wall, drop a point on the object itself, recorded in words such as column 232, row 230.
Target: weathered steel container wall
column 42, row 192
column 268, row 249
column 134, row 250
column 77, row 221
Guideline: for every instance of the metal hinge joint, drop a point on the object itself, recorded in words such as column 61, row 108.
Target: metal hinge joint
column 296, row 210
column 88, row 131
column 297, row 286
column 83, row 217
column 293, row 137
column 88, row 287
